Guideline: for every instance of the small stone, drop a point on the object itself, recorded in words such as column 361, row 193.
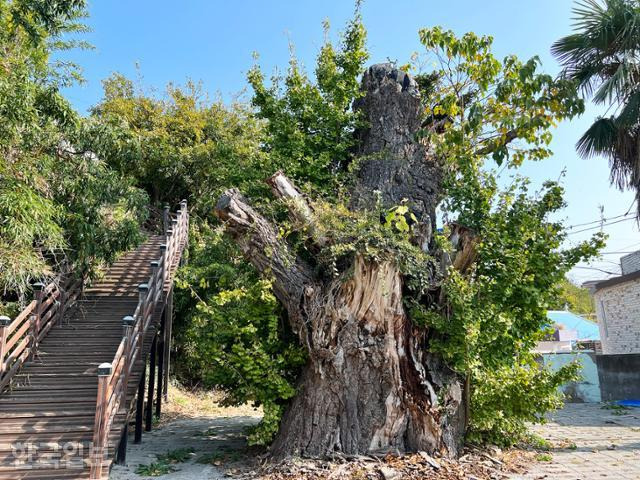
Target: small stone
column 429, row 459
column 389, row 473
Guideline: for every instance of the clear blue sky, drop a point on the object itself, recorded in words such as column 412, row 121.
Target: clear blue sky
column 212, row 41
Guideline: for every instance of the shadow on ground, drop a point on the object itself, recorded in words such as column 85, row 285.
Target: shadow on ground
column 211, row 441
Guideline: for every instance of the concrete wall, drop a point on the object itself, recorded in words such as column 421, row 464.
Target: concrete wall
column 554, row 347
column 618, row 310
column 619, row 377
column 630, row 263
column 586, row 390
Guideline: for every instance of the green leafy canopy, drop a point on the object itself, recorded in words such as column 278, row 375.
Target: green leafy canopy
column 60, row 206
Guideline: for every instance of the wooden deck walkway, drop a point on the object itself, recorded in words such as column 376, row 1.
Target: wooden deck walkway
column 51, row 413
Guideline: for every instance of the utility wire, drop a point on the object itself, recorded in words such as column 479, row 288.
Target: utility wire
column 605, row 220
column 633, row 245
column 600, row 226
column 600, row 220
column 631, row 206
column 598, row 269
column 617, row 253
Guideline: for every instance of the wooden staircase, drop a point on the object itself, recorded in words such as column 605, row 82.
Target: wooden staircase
column 55, row 407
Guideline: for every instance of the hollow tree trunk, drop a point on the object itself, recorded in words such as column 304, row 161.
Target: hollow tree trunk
column 370, row 384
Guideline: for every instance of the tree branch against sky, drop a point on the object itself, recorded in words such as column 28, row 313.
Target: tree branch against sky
column 173, row 36
column 369, row 260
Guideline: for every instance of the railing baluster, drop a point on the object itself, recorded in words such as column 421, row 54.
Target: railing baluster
column 165, row 219
column 143, row 289
column 170, row 250
column 38, row 293
column 127, row 327
column 163, row 265
column 153, row 288
column 4, row 333
column 98, row 447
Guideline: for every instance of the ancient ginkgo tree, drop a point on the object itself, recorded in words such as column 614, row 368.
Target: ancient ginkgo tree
column 396, row 318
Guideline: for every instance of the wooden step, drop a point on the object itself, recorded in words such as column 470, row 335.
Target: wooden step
column 52, row 400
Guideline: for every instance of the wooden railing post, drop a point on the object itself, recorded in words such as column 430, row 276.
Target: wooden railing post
column 4, row 333
column 185, row 227
column 183, row 213
column 127, row 328
column 152, row 376
column 38, row 292
column 165, row 219
column 154, row 271
column 100, row 424
column 174, row 239
column 143, row 289
column 165, row 269
column 160, row 349
column 170, row 249
column 140, row 402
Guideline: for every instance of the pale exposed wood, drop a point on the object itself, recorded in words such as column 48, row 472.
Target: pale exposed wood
column 299, row 209
column 370, row 384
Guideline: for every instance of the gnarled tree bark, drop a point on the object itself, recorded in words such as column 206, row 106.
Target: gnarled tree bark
column 370, row 384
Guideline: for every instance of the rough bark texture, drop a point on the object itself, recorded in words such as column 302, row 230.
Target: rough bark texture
column 369, row 385
column 393, row 165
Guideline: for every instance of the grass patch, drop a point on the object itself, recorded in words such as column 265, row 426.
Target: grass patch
column 615, row 408
column 220, row 457
column 155, row 469
column 177, row 456
column 544, row 457
column 536, row 442
column 165, row 463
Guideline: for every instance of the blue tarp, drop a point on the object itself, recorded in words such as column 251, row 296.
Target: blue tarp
column 586, row 329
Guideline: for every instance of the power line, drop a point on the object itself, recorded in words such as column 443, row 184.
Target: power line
column 617, row 253
column 603, row 260
column 598, row 269
column 600, row 220
column 605, row 219
column 632, row 203
column 631, row 246
column 600, row 226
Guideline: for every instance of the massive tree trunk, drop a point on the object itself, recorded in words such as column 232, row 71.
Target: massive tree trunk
column 370, row 384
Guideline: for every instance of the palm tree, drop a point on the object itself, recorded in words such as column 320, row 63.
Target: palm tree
column 603, row 57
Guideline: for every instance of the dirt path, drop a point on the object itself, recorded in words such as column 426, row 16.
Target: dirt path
column 590, row 442
column 211, row 440
column 587, row 442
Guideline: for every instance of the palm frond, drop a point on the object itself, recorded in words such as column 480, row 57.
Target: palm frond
column 606, row 34
column 603, row 57
column 625, row 159
column 629, row 116
column 599, row 139
column 618, row 85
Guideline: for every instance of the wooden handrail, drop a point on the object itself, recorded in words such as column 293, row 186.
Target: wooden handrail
column 19, row 338
column 112, row 383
